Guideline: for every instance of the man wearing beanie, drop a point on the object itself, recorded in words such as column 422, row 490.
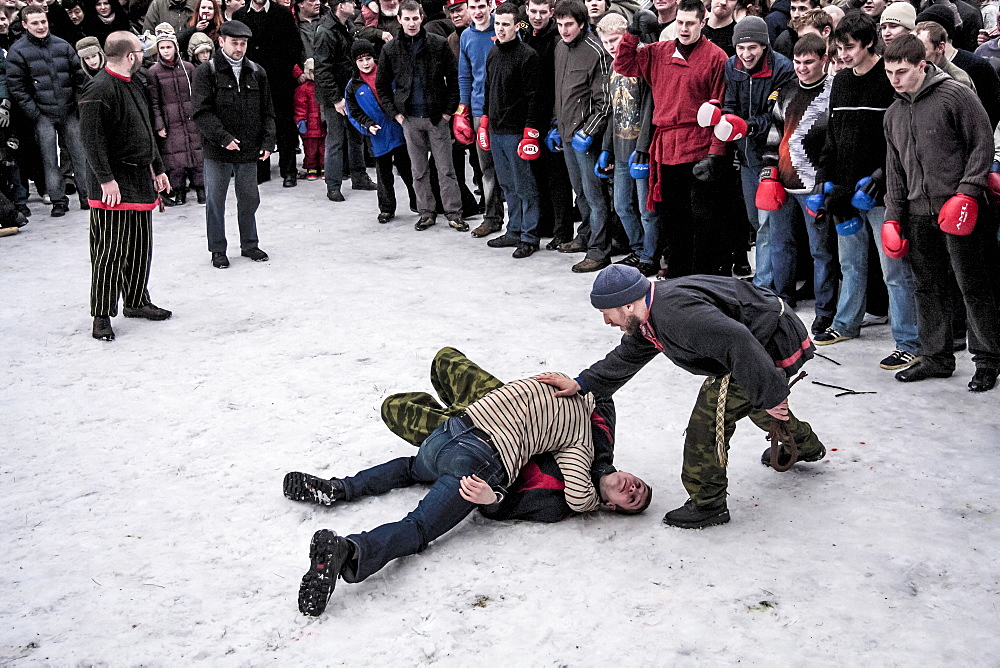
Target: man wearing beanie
column 745, row 339
column 752, row 75
column 898, row 19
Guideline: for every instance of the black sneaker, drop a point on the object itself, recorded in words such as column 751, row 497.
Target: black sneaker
column 555, row 243
column 328, row 553
column 821, row 324
column 334, row 195
column 899, row 359
column 59, row 209
column 220, row 261
column 690, row 516
column 423, row 223
column 458, row 224
column 304, row 487
column 630, row 260
column 149, row 312
column 524, row 250
column 102, row 328
column 363, row 182
column 784, row 456
column 829, row 337
column 385, row 217
column 503, row 241
column 647, row 269
column 255, row 254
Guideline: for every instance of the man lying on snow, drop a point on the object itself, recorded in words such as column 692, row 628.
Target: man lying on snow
column 488, row 436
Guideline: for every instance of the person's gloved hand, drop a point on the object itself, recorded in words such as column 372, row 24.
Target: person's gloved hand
column 582, row 141
column 553, row 141
column 958, row 215
column 603, row 168
column 867, row 191
column 708, row 169
column 838, row 202
column 461, row 125
column 894, row 241
column 301, row 125
column 638, row 165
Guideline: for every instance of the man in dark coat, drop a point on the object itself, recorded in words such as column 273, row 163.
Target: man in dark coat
column 744, row 338
column 277, row 48
column 232, row 107
column 124, row 166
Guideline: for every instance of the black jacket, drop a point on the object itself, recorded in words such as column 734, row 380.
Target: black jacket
column 332, row 55
column 986, row 80
column 511, row 86
column 275, row 46
column 44, row 76
column 225, row 110
column 544, row 42
column 438, row 69
column 118, row 138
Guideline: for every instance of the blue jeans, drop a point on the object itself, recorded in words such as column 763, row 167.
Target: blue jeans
column 763, row 275
column 783, row 256
column 898, row 279
column 448, row 454
column 518, row 183
column 46, row 130
column 338, row 132
column 590, row 201
column 641, row 225
column 217, row 176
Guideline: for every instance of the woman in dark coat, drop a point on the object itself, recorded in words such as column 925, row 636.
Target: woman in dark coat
column 103, row 17
column 170, row 91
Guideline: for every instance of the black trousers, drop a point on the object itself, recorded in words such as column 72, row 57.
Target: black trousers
column 555, row 208
column 692, row 230
column 973, row 259
column 121, row 250
column 386, row 182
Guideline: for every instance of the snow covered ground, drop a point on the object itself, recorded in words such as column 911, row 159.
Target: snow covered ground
column 142, row 519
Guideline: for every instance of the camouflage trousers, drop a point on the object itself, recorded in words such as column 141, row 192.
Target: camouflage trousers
column 703, row 476
column 458, row 382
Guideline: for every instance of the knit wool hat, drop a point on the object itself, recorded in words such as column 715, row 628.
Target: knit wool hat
column 88, row 46
column 751, row 29
column 199, row 42
column 362, row 47
column 617, row 286
column 900, row 13
column 941, row 15
column 165, row 33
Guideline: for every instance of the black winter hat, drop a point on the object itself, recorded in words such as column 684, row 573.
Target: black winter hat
column 942, row 15
column 617, row 286
column 362, row 47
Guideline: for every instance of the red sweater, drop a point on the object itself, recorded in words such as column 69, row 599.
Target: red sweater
column 679, row 87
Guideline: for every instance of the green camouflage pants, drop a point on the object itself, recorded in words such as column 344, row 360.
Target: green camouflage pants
column 702, row 474
column 458, row 382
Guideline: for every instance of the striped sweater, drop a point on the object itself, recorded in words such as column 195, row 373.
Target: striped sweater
column 525, row 418
column 798, row 133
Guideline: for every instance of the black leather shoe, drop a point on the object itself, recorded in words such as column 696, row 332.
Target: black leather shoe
column 334, row 195
column 363, row 182
column 524, row 250
column 220, row 261
column 503, row 241
column 328, row 554
column 289, row 181
column 555, row 243
column 102, row 328
column 423, row 223
column 312, row 489
column 255, row 254
column 984, row 380
column 691, row 516
column 149, row 312
column 59, row 209
column 385, row 217
column 923, row 370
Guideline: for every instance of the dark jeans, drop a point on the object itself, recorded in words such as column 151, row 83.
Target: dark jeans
column 386, row 183
column 690, row 226
column 518, row 183
column 592, row 202
column 217, row 176
column 339, row 132
column 973, row 259
column 46, row 130
column 555, row 210
column 448, row 454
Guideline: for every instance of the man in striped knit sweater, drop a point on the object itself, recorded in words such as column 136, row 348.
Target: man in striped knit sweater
column 467, row 461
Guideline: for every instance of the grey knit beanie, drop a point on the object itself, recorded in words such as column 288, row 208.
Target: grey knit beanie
column 617, row 286
column 751, row 29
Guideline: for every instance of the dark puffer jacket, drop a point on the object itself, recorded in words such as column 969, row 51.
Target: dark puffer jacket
column 44, row 76
column 170, row 91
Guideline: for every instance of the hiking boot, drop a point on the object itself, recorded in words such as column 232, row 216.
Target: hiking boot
column 630, row 260
column 984, row 380
column 923, row 370
column 458, row 224
column 555, row 243
column 363, row 182
column 334, row 195
column 784, row 456
column 102, row 328
column 691, row 516
column 503, row 241
column 255, row 254
column 587, row 265
column 821, row 324
column 899, row 359
column 59, row 209
column 574, row 246
column 385, row 217
column 829, row 337
column 220, row 261
column 486, row 228
column 312, row 489
column 328, row 553
column 423, row 223
column 149, row 312
column 524, row 250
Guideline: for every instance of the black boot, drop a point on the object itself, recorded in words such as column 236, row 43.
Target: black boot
column 784, row 456
column 305, row 487
column 199, row 191
column 328, row 554
column 691, row 516
column 180, row 196
column 984, row 380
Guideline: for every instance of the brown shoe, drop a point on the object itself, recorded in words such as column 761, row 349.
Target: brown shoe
column 588, row 265
column 572, row 246
column 486, row 228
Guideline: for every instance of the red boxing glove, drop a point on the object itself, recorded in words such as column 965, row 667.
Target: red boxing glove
column 461, row 125
column 709, row 113
column 771, row 195
column 894, row 243
column 958, row 215
column 731, row 128
column 483, row 134
column 528, row 149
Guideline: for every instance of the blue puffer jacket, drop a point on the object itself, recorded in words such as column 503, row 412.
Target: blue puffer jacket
column 749, row 96
column 364, row 111
column 44, row 76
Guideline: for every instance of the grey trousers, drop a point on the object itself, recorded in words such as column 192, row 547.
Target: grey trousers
column 491, row 187
column 424, row 139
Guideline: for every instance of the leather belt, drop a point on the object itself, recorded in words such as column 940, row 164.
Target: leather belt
column 473, row 429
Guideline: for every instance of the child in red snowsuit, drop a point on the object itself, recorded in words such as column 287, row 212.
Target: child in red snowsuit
column 312, row 128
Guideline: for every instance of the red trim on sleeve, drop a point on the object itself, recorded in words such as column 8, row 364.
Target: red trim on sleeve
column 794, row 357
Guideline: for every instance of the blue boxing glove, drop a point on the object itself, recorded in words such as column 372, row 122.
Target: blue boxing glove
column 302, row 127
column 553, row 141
column 817, row 201
column 849, row 227
column 638, row 165
column 867, row 190
column 602, row 169
column 582, row 141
